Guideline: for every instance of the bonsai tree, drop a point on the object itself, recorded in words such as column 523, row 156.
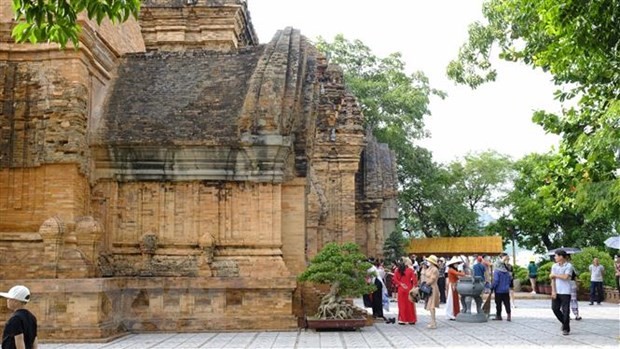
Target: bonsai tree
column 343, row 267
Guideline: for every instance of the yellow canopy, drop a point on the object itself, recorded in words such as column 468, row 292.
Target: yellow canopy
column 452, row 246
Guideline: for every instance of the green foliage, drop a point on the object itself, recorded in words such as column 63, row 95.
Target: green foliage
column 584, row 280
column 56, row 20
column 542, row 215
column 435, row 200
column 430, row 199
column 577, row 43
column 446, row 200
column 394, row 246
column 422, row 182
column 341, row 264
column 394, row 102
column 481, row 178
column 521, row 274
column 543, row 272
column 582, row 261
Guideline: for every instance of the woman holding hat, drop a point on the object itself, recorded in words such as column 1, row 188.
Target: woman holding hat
column 431, row 275
column 453, row 307
column 406, row 279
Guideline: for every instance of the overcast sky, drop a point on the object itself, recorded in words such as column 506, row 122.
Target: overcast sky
column 428, row 33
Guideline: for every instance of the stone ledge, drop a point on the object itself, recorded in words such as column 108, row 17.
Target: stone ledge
column 47, row 286
column 20, row 237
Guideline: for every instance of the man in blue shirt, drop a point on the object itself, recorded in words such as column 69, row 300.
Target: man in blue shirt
column 479, row 268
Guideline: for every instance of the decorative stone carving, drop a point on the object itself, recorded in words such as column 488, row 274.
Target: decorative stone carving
column 207, row 246
column 73, row 264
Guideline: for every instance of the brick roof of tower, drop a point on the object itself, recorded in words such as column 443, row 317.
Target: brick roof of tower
column 179, row 97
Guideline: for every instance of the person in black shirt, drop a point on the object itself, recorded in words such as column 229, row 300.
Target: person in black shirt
column 20, row 331
column 441, row 282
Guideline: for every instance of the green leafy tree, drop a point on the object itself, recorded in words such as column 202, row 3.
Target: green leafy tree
column 541, row 216
column 434, row 200
column 431, row 200
column 394, row 246
column 344, row 267
column 339, row 264
column 422, row 182
column 577, row 43
column 447, row 200
column 57, row 20
column 481, row 178
column 451, row 218
column 469, row 187
column 394, row 102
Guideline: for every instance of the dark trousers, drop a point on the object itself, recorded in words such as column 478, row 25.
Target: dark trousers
column 376, row 299
column 366, row 299
column 596, row 291
column 561, row 308
column 618, row 283
column 441, row 283
column 499, row 299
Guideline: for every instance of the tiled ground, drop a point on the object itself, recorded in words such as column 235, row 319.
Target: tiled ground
column 533, row 326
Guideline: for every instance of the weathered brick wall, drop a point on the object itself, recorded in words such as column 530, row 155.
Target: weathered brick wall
column 238, row 225
column 53, row 251
column 29, row 196
column 44, row 111
column 72, row 309
column 173, row 25
column 375, row 196
column 255, row 175
column 293, row 225
column 103, row 308
column 334, row 155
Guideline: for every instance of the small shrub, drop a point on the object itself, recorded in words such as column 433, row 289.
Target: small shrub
column 543, row 272
column 581, row 262
column 521, row 274
column 584, row 280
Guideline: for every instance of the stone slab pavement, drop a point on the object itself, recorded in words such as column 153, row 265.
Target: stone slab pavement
column 533, row 326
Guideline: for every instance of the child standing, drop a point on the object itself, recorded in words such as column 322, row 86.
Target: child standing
column 574, row 305
column 20, row 331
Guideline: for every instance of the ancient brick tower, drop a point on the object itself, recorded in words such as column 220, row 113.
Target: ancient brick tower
column 172, row 174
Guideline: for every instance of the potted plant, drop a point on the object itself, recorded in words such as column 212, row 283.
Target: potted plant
column 344, row 268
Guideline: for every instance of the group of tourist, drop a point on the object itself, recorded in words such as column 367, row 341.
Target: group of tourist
column 430, row 279
column 410, row 279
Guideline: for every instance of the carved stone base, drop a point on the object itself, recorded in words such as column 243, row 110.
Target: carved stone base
column 468, row 317
column 104, row 308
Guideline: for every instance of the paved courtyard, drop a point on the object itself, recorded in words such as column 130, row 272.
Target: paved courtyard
column 533, row 326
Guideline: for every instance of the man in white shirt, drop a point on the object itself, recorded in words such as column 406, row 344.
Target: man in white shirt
column 597, row 273
column 560, row 275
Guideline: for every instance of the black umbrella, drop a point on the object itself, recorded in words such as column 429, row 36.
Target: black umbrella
column 569, row 250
